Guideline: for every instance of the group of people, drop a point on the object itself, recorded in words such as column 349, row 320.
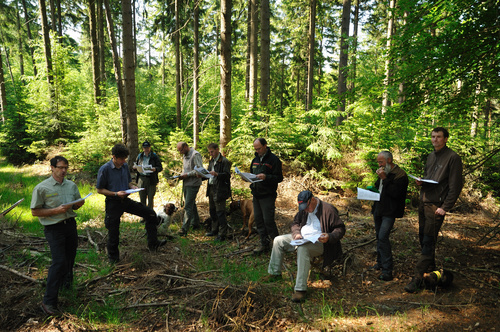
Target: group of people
column 316, row 229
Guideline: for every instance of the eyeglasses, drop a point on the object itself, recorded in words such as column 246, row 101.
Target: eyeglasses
column 62, row 167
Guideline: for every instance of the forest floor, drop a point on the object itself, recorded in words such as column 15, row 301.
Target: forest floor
column 170, row 290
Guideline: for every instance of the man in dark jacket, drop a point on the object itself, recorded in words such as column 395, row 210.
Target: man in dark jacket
column 267, row 167
column 218, row 191
column 148, row 178
column 320, row 224
column 444, row 168
column 392, row 184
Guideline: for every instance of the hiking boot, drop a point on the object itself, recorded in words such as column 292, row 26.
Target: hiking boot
column 158, row 244
column 298, row 296
column 261, row 249
column 385, row 277
column 211, row 234
column 49, row 309
column 182, row 233
column 414, row 286
column 375, row 267
column 271, row 278
column 220, row 238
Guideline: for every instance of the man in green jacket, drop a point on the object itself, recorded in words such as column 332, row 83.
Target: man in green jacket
column 444, row 168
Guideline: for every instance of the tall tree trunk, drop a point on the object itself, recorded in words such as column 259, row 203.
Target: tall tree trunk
column 177, row 38
column 96, row 73
column 401, row 90
column 46, row 42
column 196, row 63
column 344, row 48
column 118, row 71
column 3, row 94
column 254, row 63
column 102, row 48
column 312, row 49
column 129, row 80
column 225, row 72
column 247, row 67
column 390, row 24
column 59, row 20
column 265, row 56
column 53, row 15
column 134, row 32
column 354, row 51
column 19, row 41
column 27, row 21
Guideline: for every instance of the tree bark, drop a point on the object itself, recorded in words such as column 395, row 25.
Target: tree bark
column 19, row 41
column 247, row 67
column 177, row 33
column 254, row 63
column 27, row 21
column 265, row 56
column 96, row 73
column 225, row 71
column 312, row 49
column 196, row 63
column 102, row 48
column 3, row 95
column 352, row 73
column 390, row 24
column 46, row 42
column 344, row 48
column 129, row 80
column 118, row 71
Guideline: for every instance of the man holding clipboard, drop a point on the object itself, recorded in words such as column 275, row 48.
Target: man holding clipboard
column 444, row 167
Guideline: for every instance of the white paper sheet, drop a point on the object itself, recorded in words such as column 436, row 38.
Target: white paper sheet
column 368, row 195
column 423, row 180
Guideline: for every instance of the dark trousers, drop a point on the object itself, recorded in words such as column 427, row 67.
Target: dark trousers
column 217, row 213
column 148, row 192
column 429, row 225
column 63, row 241
column 115, row 207
column 263, row 212
column 383, row 227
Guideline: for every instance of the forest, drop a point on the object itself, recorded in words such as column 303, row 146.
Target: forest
column 329, row 84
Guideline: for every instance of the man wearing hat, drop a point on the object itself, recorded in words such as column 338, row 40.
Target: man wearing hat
column 148, row 179
column 315, row 219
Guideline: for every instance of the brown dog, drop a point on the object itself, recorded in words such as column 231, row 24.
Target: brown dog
column 246, row 207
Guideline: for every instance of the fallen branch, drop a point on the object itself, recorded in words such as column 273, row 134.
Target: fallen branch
column 20, row 274
column 92, row 241
column 434, row 304
column 484, row 270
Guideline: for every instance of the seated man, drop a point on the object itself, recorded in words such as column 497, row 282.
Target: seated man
column 315, row 217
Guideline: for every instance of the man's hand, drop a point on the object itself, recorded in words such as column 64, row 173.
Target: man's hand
column 381, row 173
column 183, row 176
column 440, row 212
column 418, row 182
column 214, row 173
column 297, row 237
column 262, row 176
column 323, row 238
column 76, row 206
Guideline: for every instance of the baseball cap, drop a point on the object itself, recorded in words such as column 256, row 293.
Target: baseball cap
column 146, row 144
column 303, row 198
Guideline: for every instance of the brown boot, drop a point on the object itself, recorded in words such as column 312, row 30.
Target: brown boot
column 298, row 296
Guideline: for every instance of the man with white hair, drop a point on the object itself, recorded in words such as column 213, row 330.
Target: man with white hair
column 392, row 184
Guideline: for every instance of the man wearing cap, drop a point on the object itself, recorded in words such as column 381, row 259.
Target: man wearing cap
column 148, row 179
column 392, row 184
column 191, row 186
column 49, row 204
column 267, row 167
column 315, row 219
column 114, row 181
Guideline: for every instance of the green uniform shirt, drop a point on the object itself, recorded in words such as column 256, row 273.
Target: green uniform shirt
column 50, row 194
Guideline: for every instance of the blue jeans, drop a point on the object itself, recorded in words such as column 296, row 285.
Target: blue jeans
column 63, row 241
column 263, row 212
column 383, row 227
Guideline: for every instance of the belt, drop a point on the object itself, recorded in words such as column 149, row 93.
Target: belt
column 145, row 176
column 65, row 221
